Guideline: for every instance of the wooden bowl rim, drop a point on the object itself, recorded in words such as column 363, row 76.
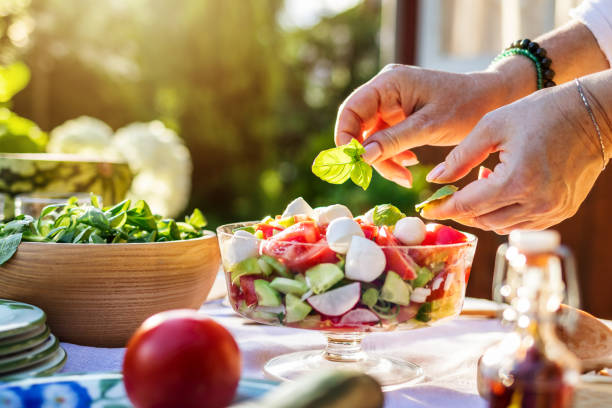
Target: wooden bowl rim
column 63, row 245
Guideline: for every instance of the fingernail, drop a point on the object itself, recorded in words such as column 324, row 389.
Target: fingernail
column 408, row 163
column 372, row 152
column 436, row 172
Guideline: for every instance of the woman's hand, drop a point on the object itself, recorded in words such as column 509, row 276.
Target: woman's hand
column 550, row 157
column 404, row 107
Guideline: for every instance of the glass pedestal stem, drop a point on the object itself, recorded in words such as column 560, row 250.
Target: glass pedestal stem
column 344, row 348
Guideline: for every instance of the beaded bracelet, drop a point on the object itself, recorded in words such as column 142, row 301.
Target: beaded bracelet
column 537, row 55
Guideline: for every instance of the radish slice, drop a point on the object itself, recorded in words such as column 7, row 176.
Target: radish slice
column 359, row 316
column 336, row 302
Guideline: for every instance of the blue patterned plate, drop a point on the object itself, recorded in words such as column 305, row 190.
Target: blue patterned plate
column 86, row 390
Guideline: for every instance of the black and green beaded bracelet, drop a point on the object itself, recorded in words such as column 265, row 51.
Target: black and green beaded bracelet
column 537, row 55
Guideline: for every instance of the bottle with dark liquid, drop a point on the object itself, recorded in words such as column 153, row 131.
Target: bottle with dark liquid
column 530, row 367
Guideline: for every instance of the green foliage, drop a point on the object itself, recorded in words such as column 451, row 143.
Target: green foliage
column 254, row 103
column 73, row 223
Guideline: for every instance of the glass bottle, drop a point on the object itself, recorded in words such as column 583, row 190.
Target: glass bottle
column 531, row 367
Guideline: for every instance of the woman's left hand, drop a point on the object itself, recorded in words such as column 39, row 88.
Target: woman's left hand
column 550, row 157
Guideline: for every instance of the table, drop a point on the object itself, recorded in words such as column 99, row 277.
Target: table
column 448, row 354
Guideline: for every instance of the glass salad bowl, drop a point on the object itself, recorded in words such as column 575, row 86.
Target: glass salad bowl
column 305, row 273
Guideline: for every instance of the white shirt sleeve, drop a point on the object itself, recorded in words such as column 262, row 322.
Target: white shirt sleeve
column 596, row 15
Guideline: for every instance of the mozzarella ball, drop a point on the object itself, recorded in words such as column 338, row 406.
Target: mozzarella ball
column 410, row 230
column 369, row 216
column 325, row 215
column 299, row 206
column 419, row 295
column 340, row 232
column 240, row 246
column 365, row 260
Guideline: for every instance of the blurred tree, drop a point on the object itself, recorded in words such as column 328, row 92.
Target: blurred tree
column 253, row 102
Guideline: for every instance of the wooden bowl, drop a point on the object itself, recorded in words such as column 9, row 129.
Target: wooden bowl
column 98, row 294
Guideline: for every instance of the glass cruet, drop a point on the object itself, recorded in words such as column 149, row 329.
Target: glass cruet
column 531, row 367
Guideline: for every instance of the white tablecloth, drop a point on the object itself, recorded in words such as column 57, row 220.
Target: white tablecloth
column 448, row 354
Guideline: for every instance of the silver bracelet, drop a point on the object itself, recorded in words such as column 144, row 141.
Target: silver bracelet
column 590, row 111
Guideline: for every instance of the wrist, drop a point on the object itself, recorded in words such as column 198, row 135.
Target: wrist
column 515, row 76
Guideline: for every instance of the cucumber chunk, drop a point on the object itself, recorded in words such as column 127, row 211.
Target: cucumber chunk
column 278, row 266
column 424, row 275
column 249, row 266
column 296, row 309
column 266, row 295
column 287, row 286
column 323, row 276
column 395, row 290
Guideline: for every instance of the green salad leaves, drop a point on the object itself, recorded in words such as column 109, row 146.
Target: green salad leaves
column 340, row 163
column 74, row 223
column 441, row 193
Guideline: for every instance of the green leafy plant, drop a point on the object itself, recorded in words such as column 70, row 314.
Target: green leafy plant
column 74, row 223
column 338, row 164
column 386, row 214
column 441, row 193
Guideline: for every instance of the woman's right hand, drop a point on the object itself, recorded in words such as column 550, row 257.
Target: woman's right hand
column 405, row 107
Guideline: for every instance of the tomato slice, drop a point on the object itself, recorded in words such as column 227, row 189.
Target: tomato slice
column 305, row 231
column 247, row 286
column 267, row 230
column 449, row 235
column 370, row 231
column 438, row 234
column 299, row 257
column 397, row 261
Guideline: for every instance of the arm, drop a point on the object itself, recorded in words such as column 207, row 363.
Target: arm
column 405, row 107
column 550, row 156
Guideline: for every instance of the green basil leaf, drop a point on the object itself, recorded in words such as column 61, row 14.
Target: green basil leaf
column 338, row 164
column 18, row 225
column 94, row 238
column 386, row 214
column 362, row 174
column 197, row 219
column 49, row 209
column 94, row 200
column 8, row 246
column 143, row 208
column 83, row 235
column 117, row 208
column 333, row 165
column 147, row 223
column 169, row 229
column 441, row 193
column 95, row 218
column 118, row 220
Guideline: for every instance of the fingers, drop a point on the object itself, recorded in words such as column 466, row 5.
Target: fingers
column 472, row 151
column 395, row 172
column 363, row 108
column 414, row 131
column 406, row 158
column 477, row 198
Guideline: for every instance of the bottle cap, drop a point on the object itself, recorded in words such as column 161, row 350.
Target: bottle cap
column 535, row 241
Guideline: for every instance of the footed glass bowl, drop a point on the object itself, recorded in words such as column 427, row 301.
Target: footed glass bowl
column 303, row 286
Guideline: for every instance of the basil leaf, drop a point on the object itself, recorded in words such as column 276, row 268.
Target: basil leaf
column 49, row 209
column 18, row 225
column 333, row 165
column 168, row 229
column 338, row 164
column 117, row 208
column 94, row 200
column 441, row 193
column 362, row 174
column 95, row 218
column 197, row 219
column 118, row 220
column 386, row 214
column 8, row 246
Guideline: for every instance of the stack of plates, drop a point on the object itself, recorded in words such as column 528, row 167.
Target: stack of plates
column 27, row 347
